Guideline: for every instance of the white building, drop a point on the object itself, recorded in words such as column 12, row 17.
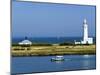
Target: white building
column 25, row 42
column 86, row 39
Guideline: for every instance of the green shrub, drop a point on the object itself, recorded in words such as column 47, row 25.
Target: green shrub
column 41, row 44
column 66, row 43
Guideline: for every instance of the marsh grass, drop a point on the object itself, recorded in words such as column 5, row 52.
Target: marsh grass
column 50, row 49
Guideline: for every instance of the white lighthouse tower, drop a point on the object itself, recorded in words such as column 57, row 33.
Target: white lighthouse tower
column 86, row 39
column 85, row 31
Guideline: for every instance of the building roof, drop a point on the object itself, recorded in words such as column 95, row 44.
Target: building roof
column 25, row 42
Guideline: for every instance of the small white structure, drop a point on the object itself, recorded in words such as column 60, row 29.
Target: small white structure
column 25, row 42
column 77, row 42
column 86, row 39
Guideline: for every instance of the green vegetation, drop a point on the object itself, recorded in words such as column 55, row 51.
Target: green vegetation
column 41, row 44
column 66, row 43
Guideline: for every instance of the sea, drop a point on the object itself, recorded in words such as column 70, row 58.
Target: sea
column 51, row 40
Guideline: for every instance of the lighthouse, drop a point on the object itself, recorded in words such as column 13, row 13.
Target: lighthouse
column 85, row 31
column 86, row 38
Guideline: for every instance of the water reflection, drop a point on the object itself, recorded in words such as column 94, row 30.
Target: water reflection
column 59, row 62
column 86, row 64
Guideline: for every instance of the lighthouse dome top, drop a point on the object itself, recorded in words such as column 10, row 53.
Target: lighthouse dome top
column 85, row 21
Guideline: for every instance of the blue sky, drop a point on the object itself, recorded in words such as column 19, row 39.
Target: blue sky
column 51, row 20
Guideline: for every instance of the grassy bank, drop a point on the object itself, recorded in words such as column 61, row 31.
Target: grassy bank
column 43, row 50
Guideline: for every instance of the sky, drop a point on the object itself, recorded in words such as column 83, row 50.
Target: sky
column 34, row 19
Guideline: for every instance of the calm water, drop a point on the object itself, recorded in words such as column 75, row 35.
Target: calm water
column 44, row 64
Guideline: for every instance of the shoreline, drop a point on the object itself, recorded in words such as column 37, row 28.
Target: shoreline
column 52, row 55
